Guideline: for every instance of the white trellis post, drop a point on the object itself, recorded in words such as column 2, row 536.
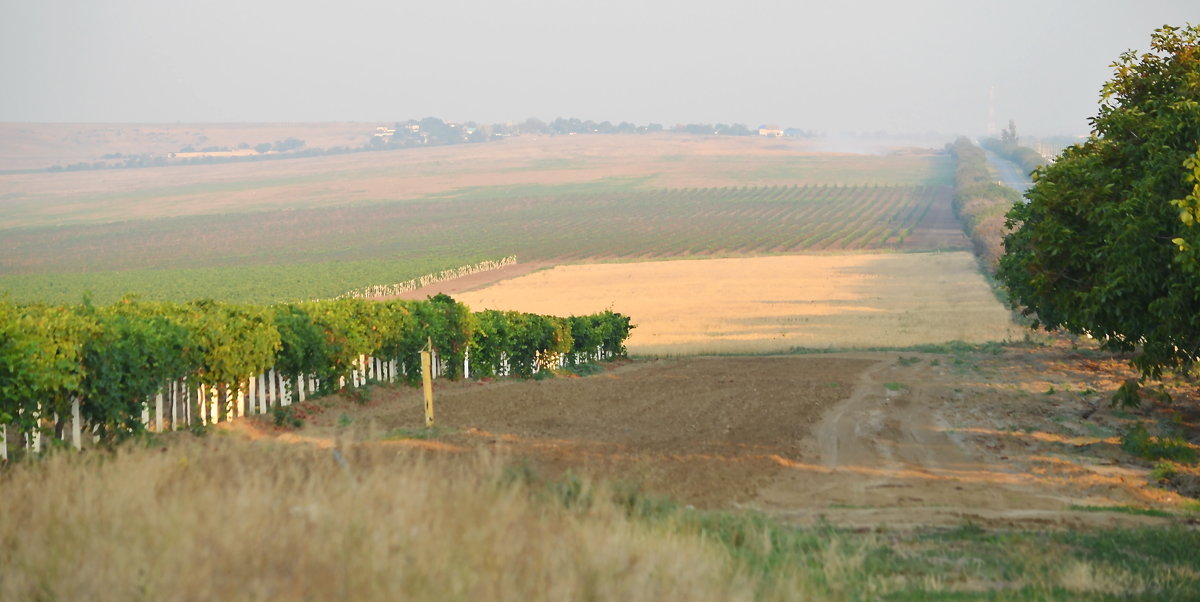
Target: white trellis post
column 4, row 442
column 76, row 424
column 35, row 438
column 215, row 407
column 173, row 392
column 262, row 393
column 467, row 364
column 145, row 413
column 202, row 404
column 271, row 387
column 300, row 386
column 241, row 399
column 158, row 412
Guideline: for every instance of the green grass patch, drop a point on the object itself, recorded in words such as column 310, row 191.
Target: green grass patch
column 1134, row 510
column 1139, row 442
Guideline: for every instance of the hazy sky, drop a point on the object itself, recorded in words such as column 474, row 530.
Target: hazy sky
column 897, row 66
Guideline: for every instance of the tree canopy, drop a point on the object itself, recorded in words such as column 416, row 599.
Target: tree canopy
column 1107, row 244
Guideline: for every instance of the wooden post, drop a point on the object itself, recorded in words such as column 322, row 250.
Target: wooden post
column 427, row 380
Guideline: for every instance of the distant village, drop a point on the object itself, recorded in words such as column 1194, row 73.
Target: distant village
column 430, row 131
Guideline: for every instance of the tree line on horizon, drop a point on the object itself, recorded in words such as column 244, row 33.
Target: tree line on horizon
column 428, row 131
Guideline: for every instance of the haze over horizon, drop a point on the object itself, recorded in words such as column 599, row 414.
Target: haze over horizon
column 912, row 67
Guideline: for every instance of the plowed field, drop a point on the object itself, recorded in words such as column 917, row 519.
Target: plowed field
column 1017, row 438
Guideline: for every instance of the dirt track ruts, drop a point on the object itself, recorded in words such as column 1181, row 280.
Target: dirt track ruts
column 856, row 439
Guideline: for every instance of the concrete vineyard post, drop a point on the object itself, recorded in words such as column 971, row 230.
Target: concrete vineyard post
column 271, row 387
column 158, row 412
column 76, row 424
column 4, row 442
column 300, row 387
column 214, row 404
column 241, row 399
column 467, row 364
column 35, row 438
column 262, row 394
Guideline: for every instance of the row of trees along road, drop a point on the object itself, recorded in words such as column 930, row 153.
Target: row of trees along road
column 1108, row 244
column 1008, row 146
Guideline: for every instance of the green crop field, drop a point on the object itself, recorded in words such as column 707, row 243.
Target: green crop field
column 317, row 227
column 322, row 252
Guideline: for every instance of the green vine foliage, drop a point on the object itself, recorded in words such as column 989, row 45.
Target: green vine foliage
column 132, row 353
column 41, row 348
column 114, row 359
column 1104, row 246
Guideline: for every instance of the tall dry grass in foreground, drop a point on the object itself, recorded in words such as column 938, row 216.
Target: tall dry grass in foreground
column 223, row 519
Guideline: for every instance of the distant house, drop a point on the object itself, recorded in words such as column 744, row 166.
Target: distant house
column 770, row 131
column 384, row 132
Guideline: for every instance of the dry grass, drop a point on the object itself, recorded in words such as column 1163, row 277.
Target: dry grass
column 224, row 519
column 772, row 304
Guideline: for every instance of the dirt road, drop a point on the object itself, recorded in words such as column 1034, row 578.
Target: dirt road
column 863, row 439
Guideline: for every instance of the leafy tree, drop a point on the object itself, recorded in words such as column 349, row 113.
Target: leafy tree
column 1107, row 245
column 1009, row 135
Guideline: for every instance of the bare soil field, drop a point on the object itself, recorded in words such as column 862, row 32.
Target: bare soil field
column 857, row 439
column 522, row 164
column 771, row 304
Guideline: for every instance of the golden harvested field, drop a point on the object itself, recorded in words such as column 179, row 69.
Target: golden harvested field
column 771, row 304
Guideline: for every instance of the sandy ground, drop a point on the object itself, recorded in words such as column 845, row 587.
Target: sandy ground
column 862, row 440
column 770, row 304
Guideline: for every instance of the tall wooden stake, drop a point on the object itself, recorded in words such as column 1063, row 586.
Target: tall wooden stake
column 427, row 379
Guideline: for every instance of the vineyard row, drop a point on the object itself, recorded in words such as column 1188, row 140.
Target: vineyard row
column 116, row 371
